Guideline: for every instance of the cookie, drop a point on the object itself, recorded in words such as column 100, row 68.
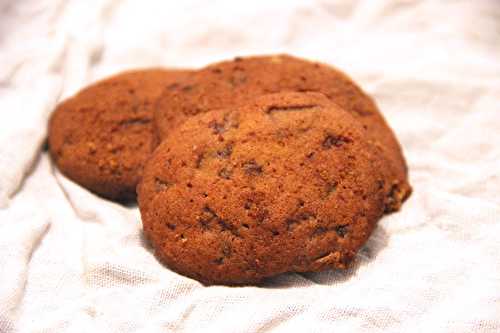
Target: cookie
column 233, row 83
column 286, row 183
column 101, row 137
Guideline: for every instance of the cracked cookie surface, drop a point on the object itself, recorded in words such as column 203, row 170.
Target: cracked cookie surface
column 101, row 137
column 236, row 82
column 286, row 183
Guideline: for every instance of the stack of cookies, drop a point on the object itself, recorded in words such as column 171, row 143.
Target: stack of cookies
column 244, row 169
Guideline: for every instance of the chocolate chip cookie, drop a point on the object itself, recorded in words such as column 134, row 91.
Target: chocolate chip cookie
column 101, row 137
column 287, row 182
column 234, row 83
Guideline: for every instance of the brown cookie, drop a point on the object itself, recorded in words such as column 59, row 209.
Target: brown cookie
column 234, row 83
column 286, row 183
column 101, row 137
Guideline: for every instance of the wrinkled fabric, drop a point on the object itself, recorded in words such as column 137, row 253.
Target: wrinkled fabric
column 73, row 262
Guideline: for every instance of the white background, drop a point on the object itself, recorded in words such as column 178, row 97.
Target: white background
column 72, row 262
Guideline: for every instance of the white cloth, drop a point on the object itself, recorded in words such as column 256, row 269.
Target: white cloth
column 72, row 262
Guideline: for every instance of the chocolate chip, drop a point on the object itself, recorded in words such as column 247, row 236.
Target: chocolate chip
column 225, row 173
column 335, row 141
column 300, row 217
column 252, row 168
column 229, row 121
column 226, row 250
column 204, row 224
column 199, row 160
column 290, row 222
column 225, row 152
column 228, row 226
column 135, row 121
column 330, row 188
column 288, row 108
column 260, row 215
column 207, row 216
column 319, row 231
column 341, row 230
column 217, row 128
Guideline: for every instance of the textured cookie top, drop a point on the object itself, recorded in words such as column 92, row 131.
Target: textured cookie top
column 287, row 182
column 234, row 83
column 101, row 137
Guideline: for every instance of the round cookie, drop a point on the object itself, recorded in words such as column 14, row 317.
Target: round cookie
column 286, row 183
column 101, row 137
column 234, row 83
